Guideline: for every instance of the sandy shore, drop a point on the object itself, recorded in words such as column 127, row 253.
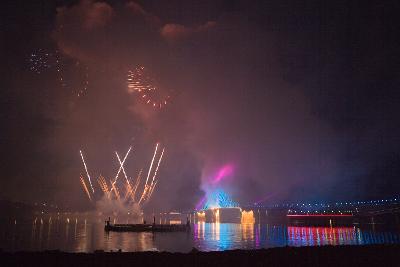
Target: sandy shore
column 375, row 255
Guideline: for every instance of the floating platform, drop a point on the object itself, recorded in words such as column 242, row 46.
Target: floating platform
column 146, row 227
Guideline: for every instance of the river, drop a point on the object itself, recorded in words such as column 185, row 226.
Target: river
column 84, row 235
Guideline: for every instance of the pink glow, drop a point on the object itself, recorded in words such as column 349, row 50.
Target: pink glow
column 319, row 215
column 200, row 204
column 226, row 170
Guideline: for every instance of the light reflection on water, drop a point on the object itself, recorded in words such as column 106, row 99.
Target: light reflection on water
column 81, row 235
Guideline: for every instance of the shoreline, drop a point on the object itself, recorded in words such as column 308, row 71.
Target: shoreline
column 353, row 255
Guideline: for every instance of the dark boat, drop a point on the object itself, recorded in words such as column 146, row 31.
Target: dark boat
column 146, row 227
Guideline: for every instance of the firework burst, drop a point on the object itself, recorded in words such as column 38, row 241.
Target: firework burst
column 142, row 82
column 72, row 75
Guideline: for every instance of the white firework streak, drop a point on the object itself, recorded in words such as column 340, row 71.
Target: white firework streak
column 119, row 170
column 151, row 190
column 122, row 166
column 148, row 174
column 151, row 164
column 87, row 173
column 154, row 182
column 158, row 165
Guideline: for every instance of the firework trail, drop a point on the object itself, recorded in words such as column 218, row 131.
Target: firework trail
column 85, row 83
column 85, row 187
column 158, row 165
column 151, row 191
column 116, row 192
column 101, row 185
column 128, row 191
column 151, row 164
column 154, row 182
column 149, row 188
column 148, row 175
column 144, row 194
column 136, row 185
column 87, row 173
column 104, row 187
column 120, row 167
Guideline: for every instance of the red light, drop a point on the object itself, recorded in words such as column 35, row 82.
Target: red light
column 319, row 215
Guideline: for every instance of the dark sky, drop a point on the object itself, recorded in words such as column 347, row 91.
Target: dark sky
column 301, row 98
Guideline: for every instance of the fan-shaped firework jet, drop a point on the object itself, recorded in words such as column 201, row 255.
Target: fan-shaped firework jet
column 140, row 81
column 111, row 191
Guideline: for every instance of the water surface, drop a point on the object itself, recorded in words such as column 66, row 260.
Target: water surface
column 80, row 235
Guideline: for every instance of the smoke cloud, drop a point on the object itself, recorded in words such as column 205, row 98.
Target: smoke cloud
column 233, row 101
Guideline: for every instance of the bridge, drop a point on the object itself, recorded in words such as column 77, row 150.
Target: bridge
column 366, row 211
column 366, row 207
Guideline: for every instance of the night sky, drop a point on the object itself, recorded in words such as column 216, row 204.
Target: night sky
column 300, row 98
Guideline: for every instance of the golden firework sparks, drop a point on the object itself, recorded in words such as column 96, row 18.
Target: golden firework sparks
column 140, row 81
column 85, row 188
column 116, row 192
column 87, row 173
